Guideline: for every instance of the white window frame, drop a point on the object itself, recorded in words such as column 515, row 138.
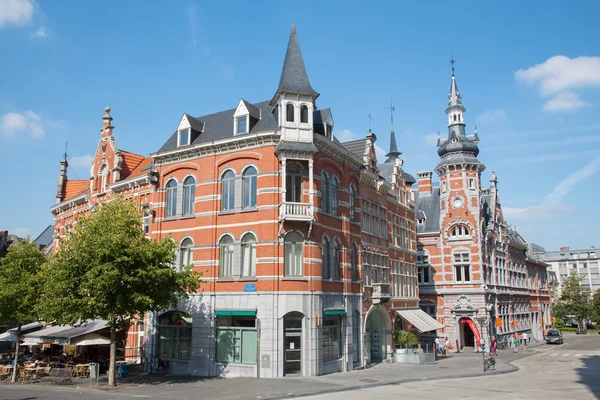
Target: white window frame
column 185, row 253
column 226, row 254
column 189, row 195
column 462, row 263
column 293, row 260
column 171, row 198
column 189, row 137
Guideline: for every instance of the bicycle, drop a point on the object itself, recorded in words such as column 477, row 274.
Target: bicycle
column 501, row 344
column 489, row 362
column 156, row 366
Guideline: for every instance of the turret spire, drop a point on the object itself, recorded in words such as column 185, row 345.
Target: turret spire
column 294, row 78
column 394, row 153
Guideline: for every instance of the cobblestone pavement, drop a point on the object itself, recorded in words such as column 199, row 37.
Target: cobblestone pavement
column 457, row 365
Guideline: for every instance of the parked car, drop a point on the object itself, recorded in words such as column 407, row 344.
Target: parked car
column 554, row 336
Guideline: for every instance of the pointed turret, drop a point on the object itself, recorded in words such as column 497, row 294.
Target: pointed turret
column 394, row 153
column 62, row 179
column 294, row 78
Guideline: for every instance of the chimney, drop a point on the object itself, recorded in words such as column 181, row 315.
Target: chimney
column 106, row 123
column 565, row 248
column 424, row 181
column 62, row 180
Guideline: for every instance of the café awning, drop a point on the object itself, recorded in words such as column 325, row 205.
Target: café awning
column 11, row 334
column 420, row 320
column 64, row 334
column 90, row 339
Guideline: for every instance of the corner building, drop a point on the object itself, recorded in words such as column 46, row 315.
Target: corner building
column 475, row 274
column 307, row 245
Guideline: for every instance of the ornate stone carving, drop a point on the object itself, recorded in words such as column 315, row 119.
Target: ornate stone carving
column 463, row 303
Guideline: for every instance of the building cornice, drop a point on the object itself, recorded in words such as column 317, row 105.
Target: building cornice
column 130, row 183
column 336, row 152
column 73, row 201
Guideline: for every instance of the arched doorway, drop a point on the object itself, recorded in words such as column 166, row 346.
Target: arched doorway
column 469, row 334
column 376, row 335
column 292, row 343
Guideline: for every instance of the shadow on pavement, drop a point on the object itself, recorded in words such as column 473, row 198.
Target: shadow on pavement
column 588, row 374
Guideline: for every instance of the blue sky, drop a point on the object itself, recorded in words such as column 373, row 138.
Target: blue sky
column 529, row 75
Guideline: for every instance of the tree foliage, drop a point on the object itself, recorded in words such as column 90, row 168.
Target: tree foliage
column 107, row 269
column 596, row 307
column 574, row 300
column 20, row 285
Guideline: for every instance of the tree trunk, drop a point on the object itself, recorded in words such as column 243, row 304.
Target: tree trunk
column 112, row 370
column 17, row 345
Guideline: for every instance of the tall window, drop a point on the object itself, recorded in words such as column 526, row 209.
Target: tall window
column 332, row 338
column 175, row 336
column 184, row 137
column 104, row 177
column 354, row 262
column 249, row 255
column 146, row 215
column 423, row 268
column 293, row 184
column 352, row 203
column 336, row 258
column 462, row 267
column 333, row 197
column 185, row 254
column 242, row 125
column 293, row 254
column 228, row 190
column 171, row 198
column 356, row 336
column 226, row 256
column 289, row 112
column 325, row 192
column 249, row 187
column 304, row 114
column 189, row 195
column 236, row 339
column 326, row 259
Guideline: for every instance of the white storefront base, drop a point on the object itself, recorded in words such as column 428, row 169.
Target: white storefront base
column 272, row 312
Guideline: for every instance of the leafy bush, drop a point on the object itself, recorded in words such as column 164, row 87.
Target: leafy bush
column 405, row 338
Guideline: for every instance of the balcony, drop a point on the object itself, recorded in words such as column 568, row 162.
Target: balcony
column 295, row 211
column 381, row 292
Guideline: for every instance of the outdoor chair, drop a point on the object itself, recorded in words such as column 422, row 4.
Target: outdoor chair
column 5, row 372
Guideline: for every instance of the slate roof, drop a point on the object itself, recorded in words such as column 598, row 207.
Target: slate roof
column 219, row 126
column 294, row 78
column 195, row 123
column 45, row 238
column 356, row 147
column 75, row 188
column 428, row 206
column 253, row 111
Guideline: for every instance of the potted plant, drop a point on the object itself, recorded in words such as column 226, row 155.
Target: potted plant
column 403, row 339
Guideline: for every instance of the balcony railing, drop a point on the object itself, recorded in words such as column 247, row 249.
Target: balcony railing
column 381, row 292
column 295, row 211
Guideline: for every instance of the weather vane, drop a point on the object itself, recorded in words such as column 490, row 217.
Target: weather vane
column 392, row 109
column 370, row 119
column 452, row 62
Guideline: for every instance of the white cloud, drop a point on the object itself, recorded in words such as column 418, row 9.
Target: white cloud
column 560, row 73
column 567, row 101
column 492, row 115
column 39, row 34
column 558, row 76
column 27, row 123
column 84, row 161
column 16, row 12
column 346, row 135
column 431, row 139
column 550, row 206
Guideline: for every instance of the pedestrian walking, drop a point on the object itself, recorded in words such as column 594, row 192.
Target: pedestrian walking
column 438, row 346
column 525, row 337
column 493, row 346
column 447, row 346
column 516, row 343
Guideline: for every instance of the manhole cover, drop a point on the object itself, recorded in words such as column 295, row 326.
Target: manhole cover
column 369, row 380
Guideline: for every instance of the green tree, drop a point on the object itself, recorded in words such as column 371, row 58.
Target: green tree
column 595, row 306
column 106, row 268
column 20, row 286
column 575, row 300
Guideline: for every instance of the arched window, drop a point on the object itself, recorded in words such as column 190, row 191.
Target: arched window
column 336, row 272
column 333, row 196
column 354, row 262
column 289, row 112
column 249, row 255
column 304, row 114
column 293, row 254
column 171, row 198
column 325, row 192
column 454, row 117
column 189, row 195
column 185, row 254
column 326, row 259
column 249, row 187
column 352, row 203
column 228, row 190
column 459, row 230
column 104, row 177
column 226, row 256
column 175, row 335
column 293, row 184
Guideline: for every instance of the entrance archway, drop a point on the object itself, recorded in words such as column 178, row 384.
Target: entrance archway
column 376, row 336
column 292, row 343
column 469, row 334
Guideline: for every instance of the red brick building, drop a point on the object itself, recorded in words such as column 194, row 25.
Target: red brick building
column 474, row 272
column 307, row 245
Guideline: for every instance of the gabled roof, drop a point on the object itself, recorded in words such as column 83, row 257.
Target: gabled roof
column 357, row 147
column 75, row 188
column 219, row 126
column 195, row 123
column 130, row 162
column 253, row 111
column 45, row 238
column 139, row 169
column 294, row 78
column 429, row 205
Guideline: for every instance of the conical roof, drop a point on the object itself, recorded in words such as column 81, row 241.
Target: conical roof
column 394, row 153
column 294, row 78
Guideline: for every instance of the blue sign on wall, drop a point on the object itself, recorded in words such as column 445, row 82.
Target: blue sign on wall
column 250, row 287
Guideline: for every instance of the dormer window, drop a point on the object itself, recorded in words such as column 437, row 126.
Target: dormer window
column 289, row 112
column 183, row 137
column 329, row 131
column 242, row 125
column 420, row 221
column 304, row 114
